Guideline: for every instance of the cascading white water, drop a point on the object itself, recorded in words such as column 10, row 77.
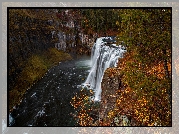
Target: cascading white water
column 103, row 56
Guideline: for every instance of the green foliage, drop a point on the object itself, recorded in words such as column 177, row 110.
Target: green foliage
column 147, row 35
column 34, row 69
column 148, row 31
column 146, row 94
column 99, row 20
column 53, row 56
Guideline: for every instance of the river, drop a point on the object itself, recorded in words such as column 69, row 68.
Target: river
column 47, row 103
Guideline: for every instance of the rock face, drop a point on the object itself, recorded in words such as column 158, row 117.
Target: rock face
column 110, row 84
column 27, row 35
column 32, row 31
column 112, row 87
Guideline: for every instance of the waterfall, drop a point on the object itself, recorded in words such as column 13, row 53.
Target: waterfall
column 105, row 53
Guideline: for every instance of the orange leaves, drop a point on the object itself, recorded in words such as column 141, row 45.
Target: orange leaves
column 128, row 90
column 122, row 62
column 112, row 72
column 76, row 101
column 146, row 96
column 144, row 110
column 91, row 91
column 83, row 118
column 84, row 107
column 110, row 114
column 141, row 110
column 157, row 70
column 125, row 102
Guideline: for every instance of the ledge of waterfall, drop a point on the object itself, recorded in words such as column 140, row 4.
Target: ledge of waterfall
column 105, row 54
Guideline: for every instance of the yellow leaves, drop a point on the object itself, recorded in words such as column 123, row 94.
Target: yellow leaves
column 117, row 23
column 157, row 70
column 86, row 98
column 112, row 72
column 83, row 106
column 146, row 118
column 146, row 82
column 128, row 90
column 84, row 118
column 151, row 124
column 136, row 111
column 140, row 107
column 110, row 114
column 91, row 91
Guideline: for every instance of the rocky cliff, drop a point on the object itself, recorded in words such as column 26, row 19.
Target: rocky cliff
column 32, row 31
column 29, row 33
column 112, row 90
column 34, row 35
column 110, row 84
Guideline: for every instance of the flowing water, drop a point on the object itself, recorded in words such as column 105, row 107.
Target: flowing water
column 47, row 103
column 105, row 54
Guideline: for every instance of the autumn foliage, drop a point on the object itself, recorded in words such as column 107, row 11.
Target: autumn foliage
column 145, row 97
column 145, row 71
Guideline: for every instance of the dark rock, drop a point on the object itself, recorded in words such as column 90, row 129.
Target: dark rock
column 109, row 86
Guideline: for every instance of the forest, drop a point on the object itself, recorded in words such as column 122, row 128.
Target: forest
column 38, row 39
column 145, row 70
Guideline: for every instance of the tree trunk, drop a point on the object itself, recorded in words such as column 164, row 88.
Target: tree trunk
column 165, row 66
column 167, row 76
column 166, row 69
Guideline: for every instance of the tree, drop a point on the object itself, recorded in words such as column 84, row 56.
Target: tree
column 147, row 35
column 148, row 32
column 99, row 20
